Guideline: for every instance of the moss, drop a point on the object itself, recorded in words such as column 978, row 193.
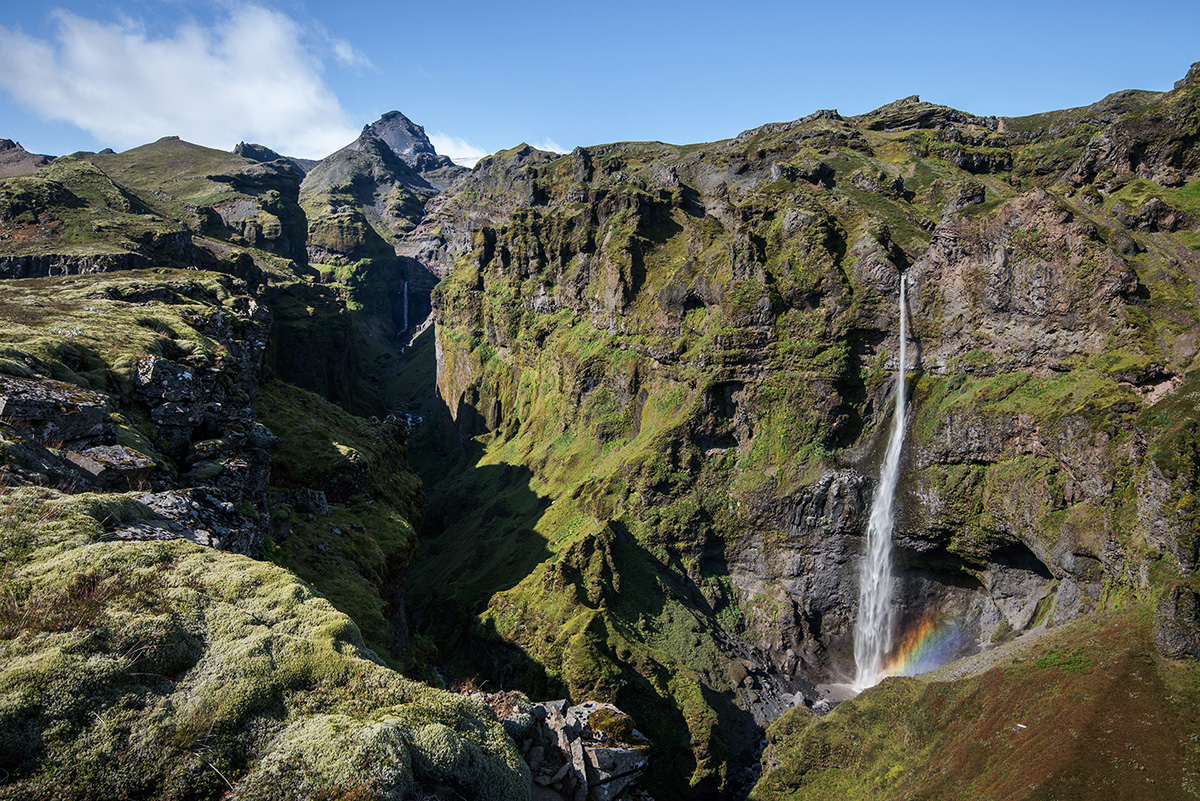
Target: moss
column 333, row 756
column 360, row 551
column 169, row 666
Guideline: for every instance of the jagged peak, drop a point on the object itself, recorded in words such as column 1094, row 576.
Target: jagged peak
column 1193, row 76
column 402, row 135
column 407, row 140
column 16, row 160
column 255, row 152
column 912, row 112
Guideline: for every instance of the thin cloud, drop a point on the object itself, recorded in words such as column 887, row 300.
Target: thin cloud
column 460, row 151
column 249, row 76
column 344, row 52
column 550, row 145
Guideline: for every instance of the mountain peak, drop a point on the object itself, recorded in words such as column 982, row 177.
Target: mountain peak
column 401, row 134
column 408, row 141
column 16, row 160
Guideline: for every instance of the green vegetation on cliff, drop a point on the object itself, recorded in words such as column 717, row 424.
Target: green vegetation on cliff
column 659, row 355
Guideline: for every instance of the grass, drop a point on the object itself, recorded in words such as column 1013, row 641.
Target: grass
column 83, row 329
column 166, row 670
column 1086, row 707
column 365, row 545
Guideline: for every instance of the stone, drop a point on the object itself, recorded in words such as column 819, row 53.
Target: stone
column 1177, row 623
column 26, row 461
column 611, row 770
column 113, row 466
column 54, row 412
column 206, row 517
column 163, row 379
column 535, row 757
column 309, row 500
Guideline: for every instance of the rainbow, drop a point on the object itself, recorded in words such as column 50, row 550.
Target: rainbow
column 928, row 645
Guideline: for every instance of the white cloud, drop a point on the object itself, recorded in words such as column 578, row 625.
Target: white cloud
column 460, row 151
column 550, row 145
column 247, row 77
column 344, row 52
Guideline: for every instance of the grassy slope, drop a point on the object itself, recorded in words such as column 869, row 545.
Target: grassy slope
column 365, row 545
column 1086, row 711
column 72, row 208
column 171, row 671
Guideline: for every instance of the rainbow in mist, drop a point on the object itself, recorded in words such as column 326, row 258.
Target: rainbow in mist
column 927, row 645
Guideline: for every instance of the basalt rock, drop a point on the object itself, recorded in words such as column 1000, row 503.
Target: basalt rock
column 588, row 751
column 56, row 412
column 1177, row 623
column 17, row 161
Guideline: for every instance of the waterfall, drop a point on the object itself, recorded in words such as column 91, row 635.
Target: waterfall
column 873, row 628
column 405, row 306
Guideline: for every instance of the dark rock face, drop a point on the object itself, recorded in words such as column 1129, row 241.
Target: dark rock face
column 256, row 152
column 273, row 220
column 264, row 154
column 17, row 161
column 53, row 411
column 1158, row 145
column 408, row 141
column 1177, row 623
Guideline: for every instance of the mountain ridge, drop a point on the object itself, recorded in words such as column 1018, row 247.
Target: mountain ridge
column 661, row 375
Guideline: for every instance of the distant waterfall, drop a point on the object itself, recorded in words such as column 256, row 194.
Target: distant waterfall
column 873, row 628
column 405, row 306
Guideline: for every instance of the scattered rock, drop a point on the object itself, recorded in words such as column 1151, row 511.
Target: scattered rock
column 590, row 750
column 113, row 466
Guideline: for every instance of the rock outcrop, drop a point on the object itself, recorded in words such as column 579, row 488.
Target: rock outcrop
column 690, row 350
column 16, row 161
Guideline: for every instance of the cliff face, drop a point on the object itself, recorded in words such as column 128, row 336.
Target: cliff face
column 685, row 353
column 153, row 464
column 665, row 372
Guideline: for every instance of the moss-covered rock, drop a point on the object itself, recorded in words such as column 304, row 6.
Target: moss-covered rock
column 149, row 670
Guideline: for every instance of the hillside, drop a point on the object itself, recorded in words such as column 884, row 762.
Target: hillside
column 668, row 368
column 247, row 485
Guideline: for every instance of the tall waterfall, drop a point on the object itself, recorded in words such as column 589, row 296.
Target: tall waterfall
column 873, row 628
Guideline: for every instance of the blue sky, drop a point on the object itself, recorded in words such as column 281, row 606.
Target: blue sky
column 304, row 77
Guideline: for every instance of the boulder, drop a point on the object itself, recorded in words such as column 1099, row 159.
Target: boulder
column 1177, row 623
column 54, row 412
column 113, row 466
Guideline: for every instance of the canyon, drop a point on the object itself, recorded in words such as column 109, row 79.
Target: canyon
column 606, row 426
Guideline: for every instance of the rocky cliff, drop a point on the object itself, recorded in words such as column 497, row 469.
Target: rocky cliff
column 655, row 395
column 669, row 365
column 154, row 464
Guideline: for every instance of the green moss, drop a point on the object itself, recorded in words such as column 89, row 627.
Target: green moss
column 367, row 542
column 148, row 668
